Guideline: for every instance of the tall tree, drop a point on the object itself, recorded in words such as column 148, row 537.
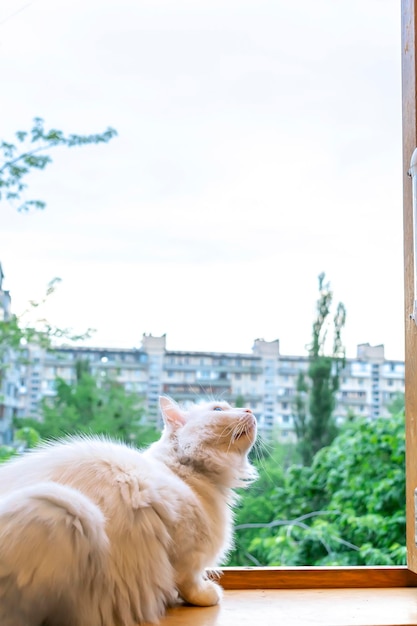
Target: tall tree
column 315, row 400
column 31, row 151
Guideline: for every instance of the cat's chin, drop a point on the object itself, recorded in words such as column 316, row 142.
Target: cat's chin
column 248, row 433
column 246, row 436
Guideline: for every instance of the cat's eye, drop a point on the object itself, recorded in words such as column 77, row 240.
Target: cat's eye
column 217, row 408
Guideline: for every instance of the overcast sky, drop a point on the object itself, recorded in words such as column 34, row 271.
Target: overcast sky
column 259, row 144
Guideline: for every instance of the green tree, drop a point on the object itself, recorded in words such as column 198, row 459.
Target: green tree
column 346, row 508
column 258, row 505
column 240, row 400
column 17, row 331
column 6, row 453
column 315, row 400
column 93, row 405
column 397, row 403
column 30, row 150
column 28, row 437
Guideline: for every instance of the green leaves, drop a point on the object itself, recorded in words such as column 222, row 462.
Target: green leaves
column 29, row 437
column 347, row 508
column 32, row 153
column 6, row 453
column 16, row 332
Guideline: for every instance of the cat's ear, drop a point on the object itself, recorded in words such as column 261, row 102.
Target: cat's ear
column 171, row 412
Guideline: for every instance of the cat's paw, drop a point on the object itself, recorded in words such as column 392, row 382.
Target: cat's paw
column 207, row 593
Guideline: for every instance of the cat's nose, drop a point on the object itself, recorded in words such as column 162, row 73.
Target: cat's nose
column 248, row 410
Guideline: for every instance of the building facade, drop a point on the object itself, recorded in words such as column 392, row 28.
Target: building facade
column 10, row 372
column 264, row 379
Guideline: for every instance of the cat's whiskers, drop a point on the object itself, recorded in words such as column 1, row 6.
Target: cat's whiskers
column 235, row 429
column 262, row 446
column 241, row 428
column 231, row 433
column 227, row 431
column 204, row 392
column 227, row 427
column 231, row 440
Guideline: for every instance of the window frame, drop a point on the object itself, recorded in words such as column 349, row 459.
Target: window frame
column 409, row 111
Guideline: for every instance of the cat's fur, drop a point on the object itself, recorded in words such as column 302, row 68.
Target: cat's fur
column 96, row 533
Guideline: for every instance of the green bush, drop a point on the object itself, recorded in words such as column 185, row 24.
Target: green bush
column 347, row 508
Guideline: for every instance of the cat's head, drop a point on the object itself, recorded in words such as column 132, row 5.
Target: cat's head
column 211, row 437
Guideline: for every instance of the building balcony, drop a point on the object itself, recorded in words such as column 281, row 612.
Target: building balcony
column 195, row 390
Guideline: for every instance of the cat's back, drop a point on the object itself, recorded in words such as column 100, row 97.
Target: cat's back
column 108, row 511
column 78, row 459
column 111, row 473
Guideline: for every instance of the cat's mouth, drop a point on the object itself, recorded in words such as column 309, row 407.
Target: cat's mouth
column 245, row 430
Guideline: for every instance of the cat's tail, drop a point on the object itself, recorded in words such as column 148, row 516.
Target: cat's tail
column 53, row 552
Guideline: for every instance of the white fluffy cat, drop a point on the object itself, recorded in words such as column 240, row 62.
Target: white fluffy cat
column 96, row 533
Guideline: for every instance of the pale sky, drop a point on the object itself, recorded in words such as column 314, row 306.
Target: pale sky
column 259, row 143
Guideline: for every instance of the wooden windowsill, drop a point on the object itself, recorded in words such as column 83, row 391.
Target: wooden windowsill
column 357, row 596
column 303, row 607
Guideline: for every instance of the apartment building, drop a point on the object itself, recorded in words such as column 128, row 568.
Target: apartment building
column 9, row 374
column 264, row 379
